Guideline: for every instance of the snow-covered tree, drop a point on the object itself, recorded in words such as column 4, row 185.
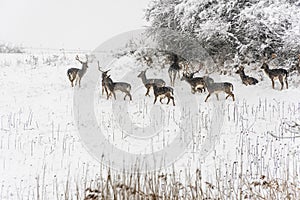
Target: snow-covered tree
column 226, row 28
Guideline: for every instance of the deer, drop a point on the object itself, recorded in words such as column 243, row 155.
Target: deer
column 104, row 75
column 197, row 83
column 118, row 86
column 112, row 87
column 148, row 83
column 148, row 60
column 247, row 80
column 216, row 88
column 174, row 69
column 77, row 74
column 163, row 92
column 273, row 74
column 296, row 66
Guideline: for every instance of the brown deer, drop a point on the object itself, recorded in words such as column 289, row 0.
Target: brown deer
column 148, row 60
column 273, row 74
column 196, row 83
column 112, row 87
column 174, row 68
column 104, row 75
column 77, row 74
column 150, row 82
column 163, row 92
column 247, row 80
column 216, row 88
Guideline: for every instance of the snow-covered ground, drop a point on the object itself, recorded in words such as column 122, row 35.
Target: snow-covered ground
column 42, row 156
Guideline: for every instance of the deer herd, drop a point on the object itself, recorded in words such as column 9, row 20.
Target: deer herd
column 161, row 91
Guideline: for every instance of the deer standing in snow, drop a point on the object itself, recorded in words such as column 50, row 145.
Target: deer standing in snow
column 216, row 88
column 150, row 82
column 196, row 83
column 273, row 74
column 77, row 74
column 163, row 92
column 111, row 87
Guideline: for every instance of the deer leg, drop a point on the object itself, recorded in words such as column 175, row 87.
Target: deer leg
column 193, row 90
column 286, row 83
column 281, row 81
column 172, row 100
column 108, row 95
column 207, row 97
column 70, row 76
column 130, row 97
column 169, row 97
column 170, row 76
column 161, row 98
column 155, row 100
column 114, row 94
column 76, row 80
column 148, row 90
column 217, row 96
column 174, row 77
column 71, row 79
column 273, row 83
column 79, row 82
column 230, row 94
column 199, row 90
column 105, row 88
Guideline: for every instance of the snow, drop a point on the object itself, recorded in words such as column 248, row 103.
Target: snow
column 40, row 144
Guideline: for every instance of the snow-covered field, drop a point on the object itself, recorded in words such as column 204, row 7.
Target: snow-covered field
column 42, row 156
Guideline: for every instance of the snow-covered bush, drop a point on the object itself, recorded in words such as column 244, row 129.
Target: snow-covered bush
column 249, row 28
column 9, row 48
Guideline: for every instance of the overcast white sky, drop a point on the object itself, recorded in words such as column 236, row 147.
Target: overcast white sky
column 70, row 24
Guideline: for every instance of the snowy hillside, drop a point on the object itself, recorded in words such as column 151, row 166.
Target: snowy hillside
column 42, row 155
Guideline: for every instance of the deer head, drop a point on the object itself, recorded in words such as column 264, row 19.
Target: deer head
column 142, row 73
column 104, row 73
column 84, row 64
column 265, row 66
column 240, row 70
